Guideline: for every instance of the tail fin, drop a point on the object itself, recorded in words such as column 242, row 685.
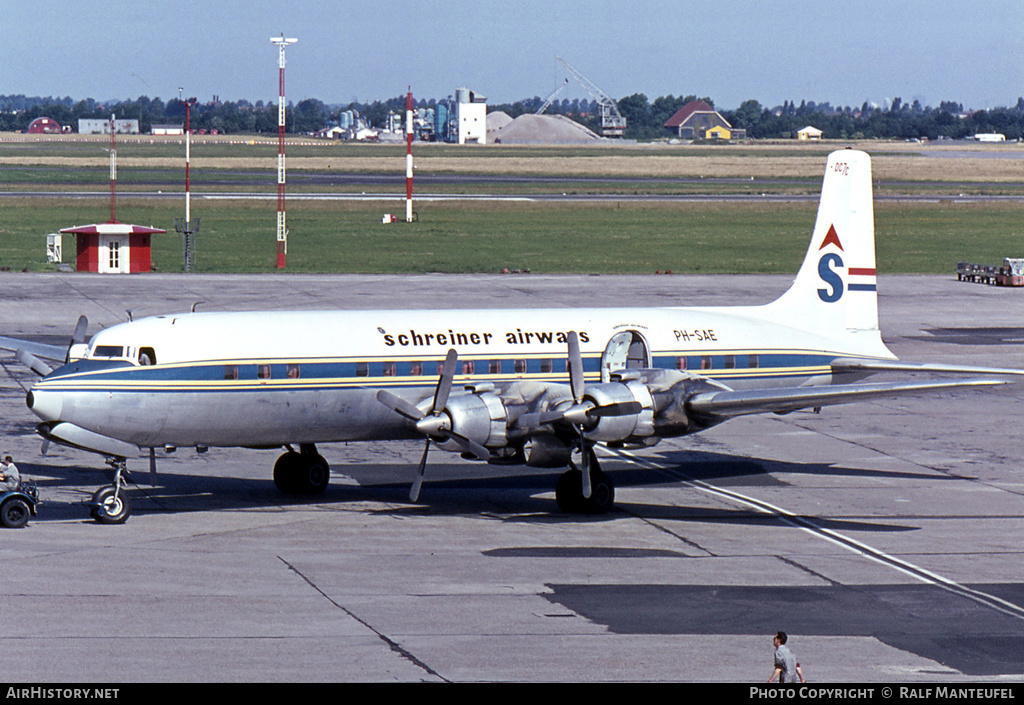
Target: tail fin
column 834, row 292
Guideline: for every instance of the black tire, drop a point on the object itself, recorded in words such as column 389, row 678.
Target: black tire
column 110, row 507
column 284, row 472
column 299, row 473
column 569, row 493
column 14, row 513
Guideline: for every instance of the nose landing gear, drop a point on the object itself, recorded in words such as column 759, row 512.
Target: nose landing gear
column 110, row 504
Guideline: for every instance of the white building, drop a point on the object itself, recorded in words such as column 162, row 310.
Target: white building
column 87, row 126
column 471, row 117
column 167, row 130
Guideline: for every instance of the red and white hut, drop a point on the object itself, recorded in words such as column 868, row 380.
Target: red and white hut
column 113, row 247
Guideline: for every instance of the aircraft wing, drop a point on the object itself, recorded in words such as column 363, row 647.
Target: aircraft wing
column 56, row 353
column 725, row 404
column 845, row 364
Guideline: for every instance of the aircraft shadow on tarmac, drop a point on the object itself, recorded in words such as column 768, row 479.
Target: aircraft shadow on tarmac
column 916, row 618
column 462, row 488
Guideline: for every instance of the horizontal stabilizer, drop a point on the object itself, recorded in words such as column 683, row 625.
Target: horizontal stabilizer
column 843, row 364
column 725, row 404
column 68, row 434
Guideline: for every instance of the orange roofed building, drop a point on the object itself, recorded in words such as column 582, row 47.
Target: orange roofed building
column 699, row 121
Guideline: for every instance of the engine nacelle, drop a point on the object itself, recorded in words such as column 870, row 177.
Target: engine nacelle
column 670, row 398
column 629, row 428
column 544, row 451
column 479, row 417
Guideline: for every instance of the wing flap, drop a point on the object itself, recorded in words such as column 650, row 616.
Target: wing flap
column 725, row 404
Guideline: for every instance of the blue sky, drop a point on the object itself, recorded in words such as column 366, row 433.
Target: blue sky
column 873, row 50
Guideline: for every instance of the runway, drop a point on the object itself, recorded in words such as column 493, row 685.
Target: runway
column 884, row 537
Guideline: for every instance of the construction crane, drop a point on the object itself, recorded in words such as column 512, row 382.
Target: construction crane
column 613, row 124
column 551, row 97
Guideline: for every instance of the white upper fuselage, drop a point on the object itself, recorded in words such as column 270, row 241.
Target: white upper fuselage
column 367, row 336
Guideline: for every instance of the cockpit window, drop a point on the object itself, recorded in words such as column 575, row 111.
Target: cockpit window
column 108, row 351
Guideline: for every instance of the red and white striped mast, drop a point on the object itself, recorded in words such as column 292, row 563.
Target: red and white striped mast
column 408, row 157
column 282, row 230
column 113, row 169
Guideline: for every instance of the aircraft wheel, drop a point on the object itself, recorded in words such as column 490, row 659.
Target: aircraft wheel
column 110, row 506
column 569, row 493
column 14, row 513
column 300, row 473
column 284, row 472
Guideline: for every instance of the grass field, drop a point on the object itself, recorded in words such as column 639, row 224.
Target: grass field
column 486, row 236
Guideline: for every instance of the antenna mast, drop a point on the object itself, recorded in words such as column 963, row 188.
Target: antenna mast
column 282, row 230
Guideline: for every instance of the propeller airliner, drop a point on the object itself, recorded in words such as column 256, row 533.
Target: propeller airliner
column 536, row 387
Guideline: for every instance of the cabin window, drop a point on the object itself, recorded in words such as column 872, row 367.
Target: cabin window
column 230, row 371
column 108, row 351
column 147, row 356
column 494, row 367
column 547, row 365
column 520, row 367
column 416, row 369
column 468, row 367
column 362, row 369
column 753, row 361
column 681, row 363
column 705, row 362
column 293, row 371
column 389, row 369
column 263, row 371
column 730, row 362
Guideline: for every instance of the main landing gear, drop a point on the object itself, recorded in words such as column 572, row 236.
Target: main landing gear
column 569, row 491
column 304, row 472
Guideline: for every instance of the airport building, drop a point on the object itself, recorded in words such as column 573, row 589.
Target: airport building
column 471, row 117
column 102, row 126
column 699, row 121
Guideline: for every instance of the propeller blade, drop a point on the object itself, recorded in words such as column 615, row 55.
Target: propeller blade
column 585, row 452
column 32, row 362
column 622, row 408
column 421, row 470
column 444, row 384
column 471, row 446
column 575, row 367
column 399, row 405
column 81, row 327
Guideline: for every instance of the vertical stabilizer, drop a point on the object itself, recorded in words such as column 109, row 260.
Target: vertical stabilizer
column 834, row 292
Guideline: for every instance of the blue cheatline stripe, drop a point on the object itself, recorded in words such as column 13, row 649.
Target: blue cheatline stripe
column 322, row 374
column 863, row 287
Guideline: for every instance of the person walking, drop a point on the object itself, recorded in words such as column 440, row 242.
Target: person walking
column 787, row 670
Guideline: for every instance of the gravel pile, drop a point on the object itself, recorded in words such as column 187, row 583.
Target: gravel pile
column 540, row 129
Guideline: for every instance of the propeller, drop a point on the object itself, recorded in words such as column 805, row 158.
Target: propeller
column 581, row 412
column 435, row 424
column 79, row 336
column 41, row 368
column 32, row 362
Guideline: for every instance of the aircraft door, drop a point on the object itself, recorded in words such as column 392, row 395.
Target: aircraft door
column 626, row 350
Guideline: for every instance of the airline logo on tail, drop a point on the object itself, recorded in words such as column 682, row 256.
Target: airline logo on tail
column 861, row 278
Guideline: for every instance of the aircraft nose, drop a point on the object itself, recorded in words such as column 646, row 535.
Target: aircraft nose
column 46, row 405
